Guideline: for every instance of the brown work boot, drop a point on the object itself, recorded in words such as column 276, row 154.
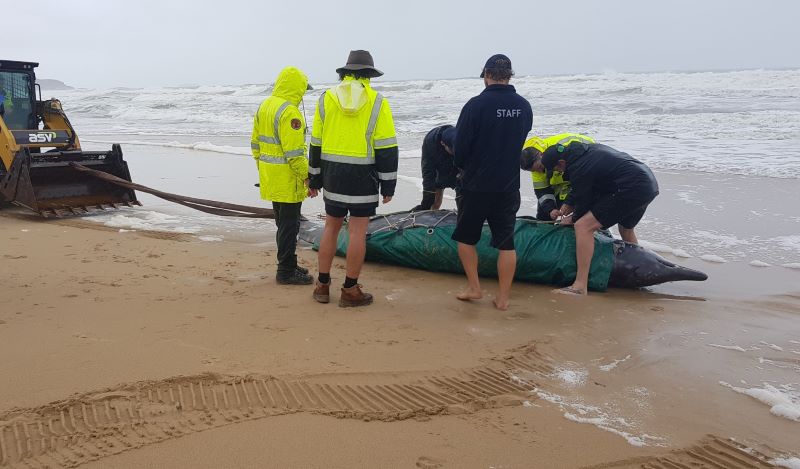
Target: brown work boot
column 353, row 296
column 322, row 292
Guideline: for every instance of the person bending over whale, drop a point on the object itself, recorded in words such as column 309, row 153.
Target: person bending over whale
column 609, row 188
column 438, row 170
column 552, row 191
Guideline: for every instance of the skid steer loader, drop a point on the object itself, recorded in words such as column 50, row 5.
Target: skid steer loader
column 37, row 147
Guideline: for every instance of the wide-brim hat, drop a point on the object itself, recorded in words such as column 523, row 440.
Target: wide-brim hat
column 359, row 60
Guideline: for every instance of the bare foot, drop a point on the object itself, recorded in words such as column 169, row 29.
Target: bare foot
column 501, row 305
column 572, row 291
column 470, row 294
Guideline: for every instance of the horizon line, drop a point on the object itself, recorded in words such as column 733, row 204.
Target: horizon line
column 594, row 73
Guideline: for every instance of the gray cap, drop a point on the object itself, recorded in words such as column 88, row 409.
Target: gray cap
column 497, row 62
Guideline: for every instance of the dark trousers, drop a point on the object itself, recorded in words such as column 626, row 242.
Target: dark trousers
column 287, row 217
column 544, row 215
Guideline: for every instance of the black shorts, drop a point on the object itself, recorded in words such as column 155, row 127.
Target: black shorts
column 339, row 211
column 623, row 209
column 498, row 208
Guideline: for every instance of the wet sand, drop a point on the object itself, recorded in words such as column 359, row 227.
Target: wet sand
column 126, row 349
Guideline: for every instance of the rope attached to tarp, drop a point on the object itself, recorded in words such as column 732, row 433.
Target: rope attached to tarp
column 208, row 206
column 412, row 217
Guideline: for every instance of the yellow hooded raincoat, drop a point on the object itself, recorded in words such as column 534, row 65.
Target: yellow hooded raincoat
column 278, row 142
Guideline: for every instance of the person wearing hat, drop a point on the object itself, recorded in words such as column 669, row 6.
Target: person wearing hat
column 609, row 188
column 353, row 158
column 492, row 128
column 438, row 170
column 552, row 191
column 278, row 144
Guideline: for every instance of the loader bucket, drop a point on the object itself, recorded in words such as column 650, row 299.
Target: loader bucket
column 48, row 185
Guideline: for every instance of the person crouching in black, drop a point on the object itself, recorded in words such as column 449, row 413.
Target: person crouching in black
column 438, row 170
column 609, row 188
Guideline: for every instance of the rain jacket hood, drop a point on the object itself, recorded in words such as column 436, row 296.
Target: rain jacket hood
column 351, row 94
column 291, row 85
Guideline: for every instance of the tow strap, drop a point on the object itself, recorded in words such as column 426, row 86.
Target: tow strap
column 208, row 206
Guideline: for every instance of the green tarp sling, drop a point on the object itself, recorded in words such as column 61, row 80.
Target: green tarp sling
column 545, row 252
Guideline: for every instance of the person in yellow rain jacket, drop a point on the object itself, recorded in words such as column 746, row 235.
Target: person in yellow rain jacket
column 278, row 144
column 552, row 190
column 353, row 159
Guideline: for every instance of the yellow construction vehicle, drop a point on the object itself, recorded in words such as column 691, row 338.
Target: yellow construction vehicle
column 37, row 147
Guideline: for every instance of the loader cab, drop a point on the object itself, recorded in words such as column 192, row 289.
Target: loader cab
column 17, row 94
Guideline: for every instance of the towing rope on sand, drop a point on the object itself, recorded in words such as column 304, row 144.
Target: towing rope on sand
column 208, row 206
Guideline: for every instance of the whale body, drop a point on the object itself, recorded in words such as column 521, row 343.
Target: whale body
column 545, row 252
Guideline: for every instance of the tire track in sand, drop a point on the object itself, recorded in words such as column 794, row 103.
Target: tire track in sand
column 94, row 425
column 98, row 424
column 711, row 452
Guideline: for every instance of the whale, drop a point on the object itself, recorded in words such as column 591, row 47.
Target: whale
column 545, row 252
column 637, row 267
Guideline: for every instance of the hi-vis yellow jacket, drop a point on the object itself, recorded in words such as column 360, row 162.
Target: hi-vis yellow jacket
column 278, row 142
column 353, row 154
column 559, row 188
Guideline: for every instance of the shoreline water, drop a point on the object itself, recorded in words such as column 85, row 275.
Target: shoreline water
column 723, row 217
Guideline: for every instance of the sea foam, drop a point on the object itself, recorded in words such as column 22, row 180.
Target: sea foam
column 713, row 258
column 783, row 402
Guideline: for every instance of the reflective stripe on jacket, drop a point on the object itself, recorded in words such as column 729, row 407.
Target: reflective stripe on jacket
column 278, row 140
column 353, row 153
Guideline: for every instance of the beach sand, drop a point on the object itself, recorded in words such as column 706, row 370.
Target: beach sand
column 128, row 347
column 136, row 349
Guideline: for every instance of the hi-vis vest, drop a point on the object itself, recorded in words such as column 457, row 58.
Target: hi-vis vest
column 278, row 140
column 556, row 181
column 352, row 121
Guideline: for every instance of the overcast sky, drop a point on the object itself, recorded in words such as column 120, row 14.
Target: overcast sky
column 169, row 42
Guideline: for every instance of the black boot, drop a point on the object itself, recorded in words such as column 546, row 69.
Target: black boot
column 294, row 278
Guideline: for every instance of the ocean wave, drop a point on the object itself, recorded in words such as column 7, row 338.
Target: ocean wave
column 684, row 111
column 400, row 86
column 208, row 146
column 625, row 91
column 708, row 121
column 202, row 146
